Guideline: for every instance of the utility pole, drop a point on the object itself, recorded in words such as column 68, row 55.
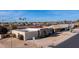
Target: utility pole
column 11, row 43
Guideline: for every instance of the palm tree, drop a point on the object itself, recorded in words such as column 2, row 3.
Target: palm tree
column 23, row 19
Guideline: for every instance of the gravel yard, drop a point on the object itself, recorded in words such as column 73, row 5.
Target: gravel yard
column 38, row 43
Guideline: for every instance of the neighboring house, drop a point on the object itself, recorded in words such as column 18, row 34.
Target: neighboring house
column 61, row 27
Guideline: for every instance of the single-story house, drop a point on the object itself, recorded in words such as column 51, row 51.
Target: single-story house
column 30, row 33
column 61, row 27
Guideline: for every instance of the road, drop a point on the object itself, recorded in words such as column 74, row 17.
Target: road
column 72, row 42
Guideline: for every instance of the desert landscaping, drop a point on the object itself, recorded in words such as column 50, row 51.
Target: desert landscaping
column 38, row 43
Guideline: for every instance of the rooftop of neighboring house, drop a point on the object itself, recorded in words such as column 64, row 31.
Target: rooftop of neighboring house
column 60, row 26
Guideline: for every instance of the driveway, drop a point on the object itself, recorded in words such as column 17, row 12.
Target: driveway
column 72, row 42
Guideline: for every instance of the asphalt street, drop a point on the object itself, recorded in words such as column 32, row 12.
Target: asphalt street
column 72, row 42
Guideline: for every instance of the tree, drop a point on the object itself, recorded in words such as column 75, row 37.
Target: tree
column 3, row 30
column 65, row 21
column 23, row 19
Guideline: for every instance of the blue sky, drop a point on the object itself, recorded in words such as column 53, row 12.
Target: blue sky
column 38, row 15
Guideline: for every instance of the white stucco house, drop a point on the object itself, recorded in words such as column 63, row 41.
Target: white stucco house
column 26, row 33
column 31, row 33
